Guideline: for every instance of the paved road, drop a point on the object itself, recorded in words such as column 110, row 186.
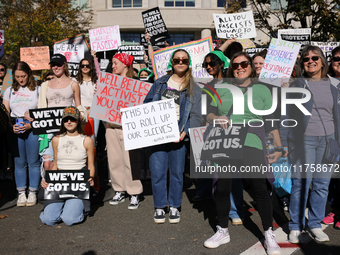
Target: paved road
column 117, row 230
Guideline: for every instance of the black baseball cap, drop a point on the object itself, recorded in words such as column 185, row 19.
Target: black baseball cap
column 58, row 58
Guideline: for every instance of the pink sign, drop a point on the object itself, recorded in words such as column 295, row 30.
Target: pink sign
column 105, row 38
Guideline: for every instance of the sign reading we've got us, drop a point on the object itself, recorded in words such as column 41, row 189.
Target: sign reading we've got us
column 46, row 120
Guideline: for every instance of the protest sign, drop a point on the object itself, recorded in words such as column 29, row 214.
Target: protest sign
column 197, row 50
column 301, row 36
column 144, row 42
column 38, row 58
column 246, row 43
column 279, row 63
column 150, row 124
column 326, row 46
column 2, row 42
column 155, row 26
column 105, row 38
column 104, row 63
column 8, row 81
column 46, row 120
column 239, row 25
column 253, row 51
column 137, row 51
column 72, row 52
column 66, row 184
column 197, row 142
column 115, row 92
column 224, row 143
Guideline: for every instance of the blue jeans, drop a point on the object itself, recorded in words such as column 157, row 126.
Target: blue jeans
column 236, row 199
column 163, row 157
column 26, row 151
column 310, row 151
column 70, row 212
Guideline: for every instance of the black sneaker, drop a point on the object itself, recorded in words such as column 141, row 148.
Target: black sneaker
column 174, row 216
column 134, row 202
column 159, row 216
column 118, row 198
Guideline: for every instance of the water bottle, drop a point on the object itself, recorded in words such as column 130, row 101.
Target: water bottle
column 269, row 138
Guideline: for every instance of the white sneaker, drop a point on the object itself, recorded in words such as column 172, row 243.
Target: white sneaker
column 319, row 235
column 31, row 200
column 22, row 200
column 294, row 236
column 159, row 216
column 174, row 216
column 220, row 237
column 118, row 198
column 134, row 202
column 270, row 244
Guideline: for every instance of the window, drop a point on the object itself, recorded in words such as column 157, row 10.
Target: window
column 275, row 4
column 80, row 3
column 179, row 3
column 126, row 3
column 221, row 3
column 130, row 38
column 181, row 38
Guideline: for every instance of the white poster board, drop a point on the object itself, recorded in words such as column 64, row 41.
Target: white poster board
column 197, row 142
column 105, row 38
column 239, row 25
column 150, row 124
column 326, row 46
column 72, row 52
column 279, row 63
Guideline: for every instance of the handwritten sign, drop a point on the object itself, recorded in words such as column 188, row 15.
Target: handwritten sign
column 38, row 58
column 8, row 81
column 66, row 184
column 154, row 25
column 115, row 92
column 105, row 38
column 134, row 50
column 197, row 50
column 73, row 53
column 279, row 62
column 2, row 42
column 326, row 46
column 197, row 142
column 46, row 120
column 238, row 25
column 301, row 36
column 150, row 124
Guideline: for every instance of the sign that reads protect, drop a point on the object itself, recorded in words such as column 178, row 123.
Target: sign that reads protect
column 38, row 58
column 46, row 120
column 155, row 26
column 301, row 36
column 105, row 38
column 137, row 51
column 66, row 184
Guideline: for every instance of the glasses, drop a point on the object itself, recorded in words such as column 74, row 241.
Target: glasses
column 83, row 66
column 2, row 69
column 335, row 59
column 243, row 64
column 56, row 64
column 211, row 64
column 49, row 78
column 314, row 58
column 69, row 119
column 184, row 61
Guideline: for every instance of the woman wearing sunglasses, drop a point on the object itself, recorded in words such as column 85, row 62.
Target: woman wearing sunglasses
column 307, row 142
column 242, row 69
column 72, row 151
column 171, row 156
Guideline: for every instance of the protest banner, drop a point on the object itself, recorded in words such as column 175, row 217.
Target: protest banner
column 150, row 124
column 66, row 184
column 197, row 50
column 154, row 25
column 224, row 143
column 137, row 51
column 105, row 38
column 326, row 46
column 103, row 64
column 197, row 142
column 301, row 35
column 239, row 25
column 38, row 58
column 279, row 63
column 115, row 92
column 73, row 53
column 2, row 42
column 8, row 81
column 253, row 51
column 46, row 120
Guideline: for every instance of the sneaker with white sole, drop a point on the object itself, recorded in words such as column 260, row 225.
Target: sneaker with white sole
column 159, row 216
column 319, row 235
column 134, row 202
column 22, row 200
column 220, row 237
column 174, row 216
column 118, row 198
column 31, row 200
column 236, row 221
column 294, row 236
column 270, row 243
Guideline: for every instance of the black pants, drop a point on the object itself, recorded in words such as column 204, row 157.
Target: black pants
column 259, row 186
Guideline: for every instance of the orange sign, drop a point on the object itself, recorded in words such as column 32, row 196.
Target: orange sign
column 36, row 57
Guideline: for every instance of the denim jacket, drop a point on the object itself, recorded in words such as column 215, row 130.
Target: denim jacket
column 295, row 134
column 190, row 106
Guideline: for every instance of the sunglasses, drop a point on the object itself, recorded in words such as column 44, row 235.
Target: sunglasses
column 50, row 78
column 314, row 58
column 56, row 64
column 243, row 64
column 184, row 61
column 83, row 66
column 2, row 69
column 211, row 64
column 65, row 120
column 334, row 59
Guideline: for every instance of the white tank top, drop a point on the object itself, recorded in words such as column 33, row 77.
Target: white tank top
column 71, row 152
column 60, row 97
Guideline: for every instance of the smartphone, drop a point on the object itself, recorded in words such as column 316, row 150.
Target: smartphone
column 18, row 122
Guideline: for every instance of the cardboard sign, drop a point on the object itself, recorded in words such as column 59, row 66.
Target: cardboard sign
column 279, row 62
column 150, row 124
column 225, row 143
column 301, row 36
column 73, row 53
column 155, row 26
column 197, row 50
column 134, row 50
column 115, row 92
column 253, row 51
column 66, row 184
column 105, row 38
column 8, row 81
column 197, row 142
column 2, row 42
column 326, row 46
column 239, row 25
column 38, row 58
column 46, row 120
